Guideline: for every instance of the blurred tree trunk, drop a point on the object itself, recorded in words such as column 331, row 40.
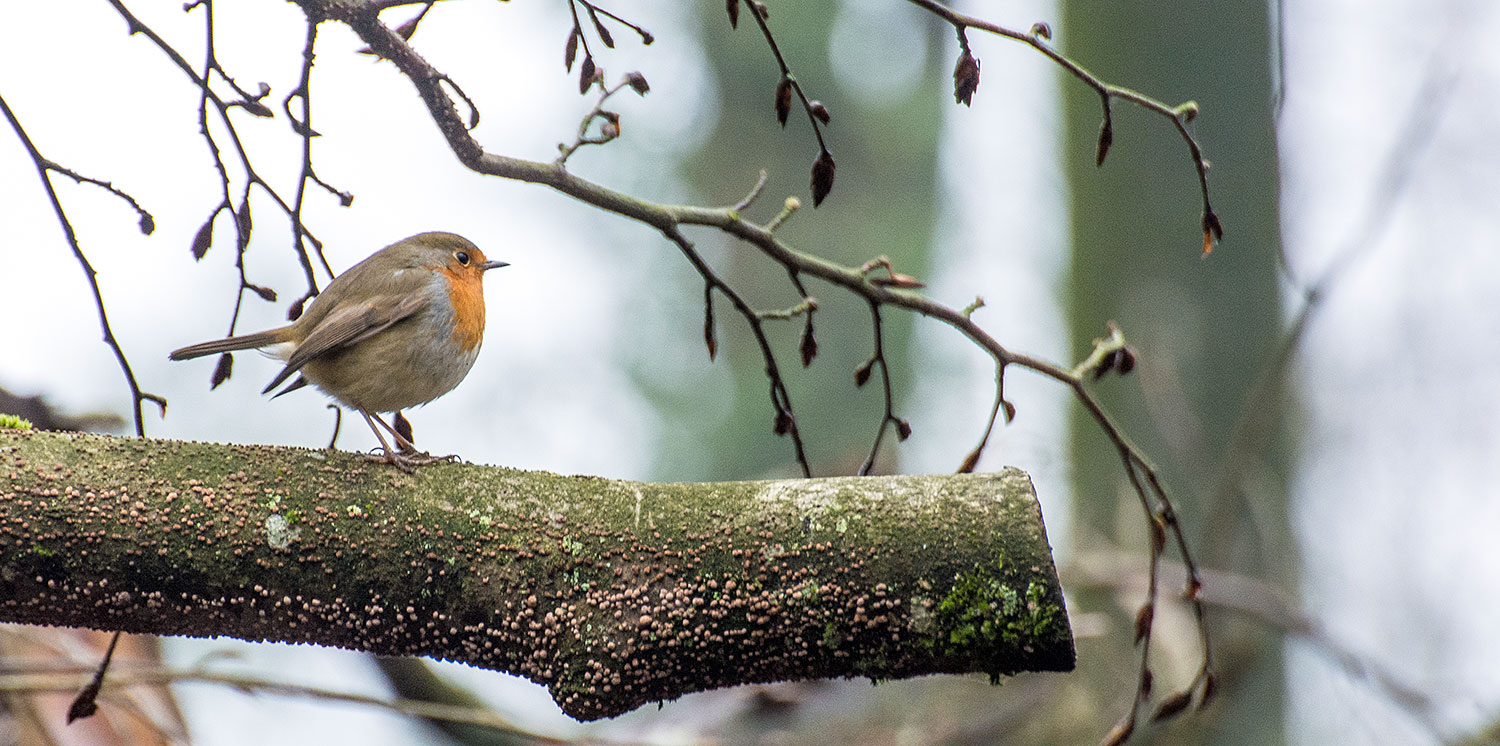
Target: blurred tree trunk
column 884, row 201
column 1203, row 327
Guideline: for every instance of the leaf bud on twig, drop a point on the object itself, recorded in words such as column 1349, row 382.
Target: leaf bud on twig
column 965, row 78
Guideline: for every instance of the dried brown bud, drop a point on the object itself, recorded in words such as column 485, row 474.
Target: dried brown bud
column 1106, row 364
column 1126, row 363
column 266, row 294
column 402, row 427
column 646, row 37
column 783, row 103
column 637, row 82
column 1041, row 30
column 965, row 78
column 222, row 371
column 1143, row 619
column 822, row 177
column 570, row 49
column 1106, row 139
column 809, row 344
column 1173, row 706
column 148, row 223
column 243, row 216
column 295, row 312
column 970, row 461
column 1010, row 410
column 733, row 6
column 587, row 74
column 257, row 108
column 761, row 8
column 242, row 221
column 783, row 424
column 710, row 336
column 903, row 429
column 604, row 35
column 1147, row 679
column 205, row 236
column 408, row 28
column 820, row 111
column 86, row 703
column 862, row 373
column 1213, row 231
column 302, row 129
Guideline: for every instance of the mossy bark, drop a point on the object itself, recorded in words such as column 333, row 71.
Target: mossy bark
column 612, row 594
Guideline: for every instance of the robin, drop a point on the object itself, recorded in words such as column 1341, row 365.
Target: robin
column 400, row 328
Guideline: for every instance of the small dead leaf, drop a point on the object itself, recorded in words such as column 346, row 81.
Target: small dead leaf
column 822, row 177
column 965, row 78
column 222, row 371
column 783, row 104
column 570, row 49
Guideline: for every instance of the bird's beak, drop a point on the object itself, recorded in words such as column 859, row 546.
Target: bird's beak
column 494, row 264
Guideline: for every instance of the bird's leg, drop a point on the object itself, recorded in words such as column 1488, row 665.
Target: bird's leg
column 406, row 459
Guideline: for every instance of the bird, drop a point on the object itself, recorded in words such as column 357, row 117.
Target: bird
column 399, row 329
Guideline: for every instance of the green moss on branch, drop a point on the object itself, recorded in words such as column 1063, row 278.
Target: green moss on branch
column 612, row 594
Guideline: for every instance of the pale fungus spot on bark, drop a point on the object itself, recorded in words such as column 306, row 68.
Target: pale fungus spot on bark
column 279, row 532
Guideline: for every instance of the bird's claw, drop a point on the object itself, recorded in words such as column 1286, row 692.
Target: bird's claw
column 409, row 460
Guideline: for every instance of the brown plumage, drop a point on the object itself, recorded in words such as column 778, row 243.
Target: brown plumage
column 399, row 329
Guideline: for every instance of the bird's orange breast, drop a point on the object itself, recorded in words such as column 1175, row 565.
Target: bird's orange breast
column 466, row 293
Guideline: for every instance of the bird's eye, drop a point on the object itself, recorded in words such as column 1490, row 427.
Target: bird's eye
column 462, row 257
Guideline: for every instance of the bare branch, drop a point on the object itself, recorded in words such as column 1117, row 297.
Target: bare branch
column 43, row 167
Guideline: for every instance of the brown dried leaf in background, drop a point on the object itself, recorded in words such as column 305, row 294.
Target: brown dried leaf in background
column 1213, row 231
column 1143, row 619
column 1106, row 139
column 965, row 78
column 809, row 347
column 586, row 73
column 783, row 424
column 783, row 103
column 862, row 373
column 570, row 49
column 604, row 35
column 205, row 237
column 222, row 371
column 822, row 177
column 637, row 83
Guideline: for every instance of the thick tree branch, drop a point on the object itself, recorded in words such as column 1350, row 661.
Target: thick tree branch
column 612, row 594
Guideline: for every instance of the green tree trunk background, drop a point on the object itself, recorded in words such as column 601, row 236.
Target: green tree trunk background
column 1202, row 327
column 884, row 201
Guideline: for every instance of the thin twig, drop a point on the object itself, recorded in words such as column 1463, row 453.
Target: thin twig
column 1179, row 115
column 43, row 166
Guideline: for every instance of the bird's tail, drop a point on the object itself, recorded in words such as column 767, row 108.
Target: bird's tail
column 230, row 344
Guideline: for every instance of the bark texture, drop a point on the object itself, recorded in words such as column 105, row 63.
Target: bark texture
column 612, row 594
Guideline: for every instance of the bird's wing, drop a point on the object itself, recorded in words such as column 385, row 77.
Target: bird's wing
column 349, row 325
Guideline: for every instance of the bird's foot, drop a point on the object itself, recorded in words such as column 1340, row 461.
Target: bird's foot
column 408, row 460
